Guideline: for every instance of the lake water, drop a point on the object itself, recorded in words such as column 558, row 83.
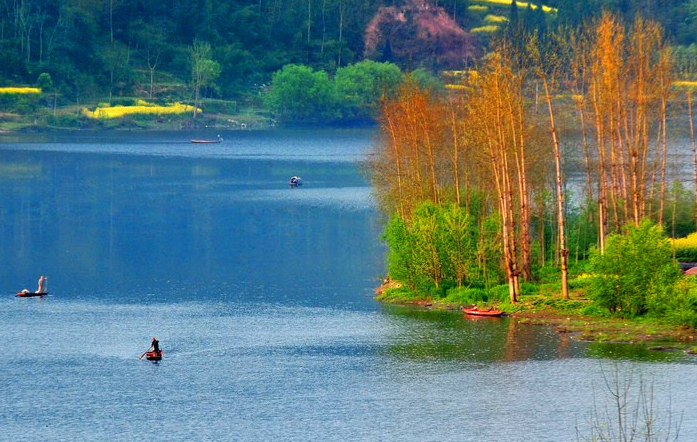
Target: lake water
column 261, row 296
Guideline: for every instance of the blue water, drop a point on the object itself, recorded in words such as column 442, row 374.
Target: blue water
column 261, row 296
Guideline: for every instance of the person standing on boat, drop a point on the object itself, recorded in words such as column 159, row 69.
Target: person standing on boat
column 42, row 280
column 155, row 346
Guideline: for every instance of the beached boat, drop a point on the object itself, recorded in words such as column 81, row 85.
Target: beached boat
column 30, row 294
column 153, row 355
column 491, row 312
column 218, row 140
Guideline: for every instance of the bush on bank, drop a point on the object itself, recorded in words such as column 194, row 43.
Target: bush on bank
column 636, row 273
column 441, row 254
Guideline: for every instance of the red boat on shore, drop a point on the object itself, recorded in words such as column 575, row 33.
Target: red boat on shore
column 30, row 294
column 491, row 312
column 153, row 355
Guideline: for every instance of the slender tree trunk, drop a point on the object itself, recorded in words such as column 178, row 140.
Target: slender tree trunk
column 694, row 146
column 563, row 252
column 664, row 145
column 341, row 31
column 152, row 80
column 41, row 38
column 197, row 92
column 309, row 19
column 111, row 20
column 455, row 152
column 602, row 176
column 586, row 153
column 614, row 182
column 29, row 43
column 398, row 163
column 516, row 115
column 423, row 119
column 654, row 170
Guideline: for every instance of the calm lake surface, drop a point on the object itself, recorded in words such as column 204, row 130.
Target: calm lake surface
column 261, row 296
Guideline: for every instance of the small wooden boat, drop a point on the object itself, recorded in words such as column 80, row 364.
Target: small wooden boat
column 153, row 355
column 30, row 294
column 491, row 312
column 295, row 181
column 218, row 140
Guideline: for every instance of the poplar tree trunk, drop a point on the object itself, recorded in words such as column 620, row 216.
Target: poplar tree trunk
column 662, row 196
column 309, row 19
column 694, row 146
column 341, row 31
column 398, row 163
column 455, row 153
column 563, row 252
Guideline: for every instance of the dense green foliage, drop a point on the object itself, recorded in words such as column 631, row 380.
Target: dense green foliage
column 636, row 273
column 681, row 308
column 100, row 46
column 444, row 247
column 299, row 94
column 111, row 47
column 360, row 86
column 445, row 254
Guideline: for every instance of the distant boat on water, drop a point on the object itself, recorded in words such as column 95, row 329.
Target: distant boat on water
column 30, row 294
column 295, row 181
column 218, row 140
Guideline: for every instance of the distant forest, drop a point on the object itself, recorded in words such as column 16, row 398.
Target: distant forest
column 104, row 47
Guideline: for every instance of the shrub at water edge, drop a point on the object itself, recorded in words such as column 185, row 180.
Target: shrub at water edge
column 636, row 273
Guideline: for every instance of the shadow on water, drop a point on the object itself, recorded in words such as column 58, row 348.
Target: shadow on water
column 427, row 335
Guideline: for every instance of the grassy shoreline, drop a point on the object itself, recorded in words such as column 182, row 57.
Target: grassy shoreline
column 20, row 114
column 564, row 316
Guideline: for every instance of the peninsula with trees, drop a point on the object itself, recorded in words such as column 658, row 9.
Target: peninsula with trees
column 544, row 183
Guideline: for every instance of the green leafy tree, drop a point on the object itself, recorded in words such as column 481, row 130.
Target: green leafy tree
column 204, row 70
column 460, row 243
column 490, row 251
column 636, row 273
column 430, row 257
column 443, row 246
column 302, row 95
column 45, row 82
column 361, row 86
column 400, row 264
column 426, row 80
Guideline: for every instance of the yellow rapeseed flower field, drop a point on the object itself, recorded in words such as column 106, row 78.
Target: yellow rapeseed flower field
column 20, row 90
column 488, row 29
column 491, row 18
column 141, row 107
column 478, row 8
column 520, row 4
column 685, row 84
column 689, row 242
